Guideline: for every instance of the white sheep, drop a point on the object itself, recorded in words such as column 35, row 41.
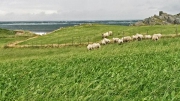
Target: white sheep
column 103, row 42
column 110, row 33
column 115, row 39
column 90, row 46
column 120, row 41
column 155, row 37
column 93, row 46
column 134, row 37
column 105, row 35
column 127, row 39
column 96, row 45
column 147, row 36
column 159, row 35
column 140, row 36
column 107, row 40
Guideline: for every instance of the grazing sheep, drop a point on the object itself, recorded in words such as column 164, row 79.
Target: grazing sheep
column 115, row 40
column 120, row 41
column 107, row 40
column 96, row 45
column 140, row 36
column 127, row 39
column 93, row 46
column 159, row 35
column 90, row 46
column 103, row 42
column 134, row 37
column 155, row 37
column 110, row 33
column 105, row 35
column 147, row 36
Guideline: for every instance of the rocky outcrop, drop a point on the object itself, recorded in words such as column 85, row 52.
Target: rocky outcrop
column 162, row 19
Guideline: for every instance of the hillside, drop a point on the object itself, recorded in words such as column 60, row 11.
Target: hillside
column 93, row 33
column 4, row 32
column 11, row 36
column 137, row 70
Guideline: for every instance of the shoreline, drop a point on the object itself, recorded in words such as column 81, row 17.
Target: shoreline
column 40, row 33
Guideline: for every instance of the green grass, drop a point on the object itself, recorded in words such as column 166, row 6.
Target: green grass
column 85, row 33
column 139, row 70
column 8, row 40
column 9, row 36
column 5, row 32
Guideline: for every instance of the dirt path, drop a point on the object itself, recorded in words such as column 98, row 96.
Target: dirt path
column 46, row 46
column 17, row 42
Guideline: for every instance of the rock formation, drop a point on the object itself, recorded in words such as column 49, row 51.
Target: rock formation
column 162, row 19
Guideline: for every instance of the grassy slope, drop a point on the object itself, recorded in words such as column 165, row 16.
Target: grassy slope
column 6, row 32
column 93, row 33
column 141, row 70
column 9, row 36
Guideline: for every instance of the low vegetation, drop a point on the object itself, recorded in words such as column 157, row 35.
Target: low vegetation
column 9, row 36
column 93, row 33
column 138, row 70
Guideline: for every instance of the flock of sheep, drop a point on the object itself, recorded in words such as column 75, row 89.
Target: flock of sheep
column 105, row 41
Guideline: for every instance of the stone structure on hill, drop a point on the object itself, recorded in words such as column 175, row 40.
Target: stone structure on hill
column 162, row 19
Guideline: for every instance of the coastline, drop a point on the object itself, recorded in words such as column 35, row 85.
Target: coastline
column 44, row 27
column 40, row 33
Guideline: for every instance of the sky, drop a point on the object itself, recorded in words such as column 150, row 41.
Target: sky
column 58, row 10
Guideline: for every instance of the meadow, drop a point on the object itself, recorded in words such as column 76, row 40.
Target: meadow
column 93, row 33
column 140, row 70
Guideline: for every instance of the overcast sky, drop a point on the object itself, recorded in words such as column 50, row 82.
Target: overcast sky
column 53, row 10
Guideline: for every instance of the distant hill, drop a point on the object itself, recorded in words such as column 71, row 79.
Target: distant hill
column 6, row 32
column 162, row 19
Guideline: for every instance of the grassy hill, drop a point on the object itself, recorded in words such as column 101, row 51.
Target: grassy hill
column 10, row 36
column 138, row 70
column 5, row 32
column 92, row 33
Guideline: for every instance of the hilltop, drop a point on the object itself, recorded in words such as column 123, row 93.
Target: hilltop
column 161, row 19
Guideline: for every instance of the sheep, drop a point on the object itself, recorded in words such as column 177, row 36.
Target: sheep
column 134, row 37
column 115, row 40
column 159, row 35
column 107, row 40
column 155, row 37
column 105, row 35
column 96, row 45
column 147, row 36
column 120, row 41
column 140, row 36
column 103, row 42
column 90, row 46
column 93, row 46
column 110, row 33
column 127, row 39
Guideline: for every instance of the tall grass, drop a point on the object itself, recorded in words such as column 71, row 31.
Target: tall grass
column 139, row 70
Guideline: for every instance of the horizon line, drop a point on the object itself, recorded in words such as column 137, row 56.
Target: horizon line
column 63, row 20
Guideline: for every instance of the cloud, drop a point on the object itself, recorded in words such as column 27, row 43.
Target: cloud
column 2, row 12
column 84, row 9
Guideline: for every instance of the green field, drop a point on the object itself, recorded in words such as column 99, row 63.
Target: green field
column 85, row 33
column 144, row 70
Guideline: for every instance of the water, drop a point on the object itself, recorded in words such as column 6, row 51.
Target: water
column 43, row 27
